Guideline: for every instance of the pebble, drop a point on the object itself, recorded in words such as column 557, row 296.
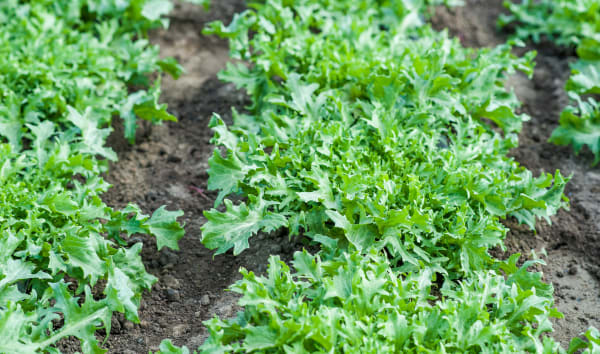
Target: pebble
column 171, row 282
column 173, row 159
column 226, row 310
column 128, row 351
column 205, row 300
column 179, row 330
column 167, row 257
column 573, row 270
column 162, row 323
column 559, row 274
column 167, row 268
column 173, row 295
column 144, row 324
column 128, row 325
column 196, row 341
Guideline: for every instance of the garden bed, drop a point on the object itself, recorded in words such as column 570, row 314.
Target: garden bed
column 168, row 166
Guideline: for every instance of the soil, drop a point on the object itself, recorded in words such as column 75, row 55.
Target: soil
column 168, row 166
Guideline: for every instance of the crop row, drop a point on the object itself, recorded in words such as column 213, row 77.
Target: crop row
column 569, row 23
column 384, row 143
column 66, row 68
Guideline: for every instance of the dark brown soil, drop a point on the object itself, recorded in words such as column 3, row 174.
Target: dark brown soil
column 169, row 159
column 168, row 166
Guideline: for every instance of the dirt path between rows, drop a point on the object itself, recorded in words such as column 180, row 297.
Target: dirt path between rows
column 168, row 166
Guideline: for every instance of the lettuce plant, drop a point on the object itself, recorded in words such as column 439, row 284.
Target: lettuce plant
column 66, row 68
column 385, row 143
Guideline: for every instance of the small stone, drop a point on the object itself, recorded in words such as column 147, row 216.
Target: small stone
column 173, row 295
column 180, row 330
column 205, row 300
column 167, row 257
column 173, row 159
column 162, row 323
column 198, row 314
column 196, row 341
column 573, row 270
column 167, row 268
column 144, row 324
column 559, row 274
column 128, row 325
column 128, row 351
column 171, row 282
column 226, row 310
column 156, row 287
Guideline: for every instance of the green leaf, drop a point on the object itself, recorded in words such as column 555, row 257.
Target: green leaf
column 224, row 174
column 171, row 66
column 261, row 337
column 93, row 138
column 233, row 228
column 155, row 9
column 164, row 226
column 167, row 347
column 83, row 253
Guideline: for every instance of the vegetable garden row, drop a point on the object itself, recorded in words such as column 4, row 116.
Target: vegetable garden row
column 373, row 137
column 67, row 67
column 370, row 134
